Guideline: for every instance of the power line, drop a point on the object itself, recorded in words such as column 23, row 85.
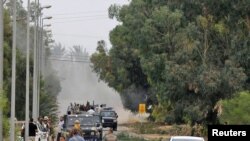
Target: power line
column 80, row 12
column 58, row 57
column 67, row 60
column 84, row 20
column 77, row 35
column 79, row 17
column 67, row 54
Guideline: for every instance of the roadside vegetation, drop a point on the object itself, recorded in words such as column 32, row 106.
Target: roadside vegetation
column 127, row 137
column 48, row 101
column 181, row 58
column 164, row 129
column 187, row 60
column 236, row 110
column 3, row 105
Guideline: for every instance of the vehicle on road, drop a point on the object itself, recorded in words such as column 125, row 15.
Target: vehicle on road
column 90, row 128
column 186, row 138
column 109, row 118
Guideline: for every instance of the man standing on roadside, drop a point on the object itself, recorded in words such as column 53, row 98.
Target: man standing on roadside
column 60, row 127
column 32, row 130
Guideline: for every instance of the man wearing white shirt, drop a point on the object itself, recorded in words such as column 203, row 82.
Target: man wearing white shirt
column 60, row 127
column 91, row 110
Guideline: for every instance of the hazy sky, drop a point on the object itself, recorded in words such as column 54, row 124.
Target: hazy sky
column 80, row 22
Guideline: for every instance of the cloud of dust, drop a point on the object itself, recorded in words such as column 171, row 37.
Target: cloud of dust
column 79, row 85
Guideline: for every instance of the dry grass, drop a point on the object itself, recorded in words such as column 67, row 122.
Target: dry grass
column 161, row 131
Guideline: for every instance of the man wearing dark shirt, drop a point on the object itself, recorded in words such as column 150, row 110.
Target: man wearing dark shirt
column 32, row 130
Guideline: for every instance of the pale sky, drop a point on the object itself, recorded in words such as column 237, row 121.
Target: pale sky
column 80, row 22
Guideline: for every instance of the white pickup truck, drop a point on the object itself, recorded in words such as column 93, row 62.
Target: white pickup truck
column 186, row 138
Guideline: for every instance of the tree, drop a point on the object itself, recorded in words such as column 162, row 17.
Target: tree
column 236, row 109
column 78, row 54
column 124, row 76
column 21, row 67
column 4, row 106
column 58, row 50
column 187, row 55
column 48, row 99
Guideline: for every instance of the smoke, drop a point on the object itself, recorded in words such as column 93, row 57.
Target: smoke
column 21, row 37
column 133, row 96
column 79, row 85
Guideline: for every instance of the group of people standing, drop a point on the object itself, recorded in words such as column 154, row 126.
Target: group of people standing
column 76, row 108
column 43, row 123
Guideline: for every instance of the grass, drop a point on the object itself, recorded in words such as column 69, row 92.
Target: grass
column 143, row 128
column 127, row 137
column 164, row 130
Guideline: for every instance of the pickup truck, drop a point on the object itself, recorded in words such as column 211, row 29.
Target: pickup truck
column 90, row 126
column 109, row 118
column 186, row 138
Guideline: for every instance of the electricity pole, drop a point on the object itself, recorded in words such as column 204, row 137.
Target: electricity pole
column 13, row 75
column 1, row 67
column 34, row 101
column 27, row 75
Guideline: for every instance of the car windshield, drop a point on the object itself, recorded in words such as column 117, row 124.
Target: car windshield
column 97, row 119
column 187, row 140
column 83, row 120
column 108, row 114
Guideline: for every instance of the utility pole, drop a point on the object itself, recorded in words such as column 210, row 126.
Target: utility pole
column 27, row 75
column 39, row 56
column 1, row 67
column 13, row 79
column 34, row 101
column 39, row 66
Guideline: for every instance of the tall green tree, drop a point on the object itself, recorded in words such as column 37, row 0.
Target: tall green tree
column 21, row 66
column 119, row 68
column 187, row 55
